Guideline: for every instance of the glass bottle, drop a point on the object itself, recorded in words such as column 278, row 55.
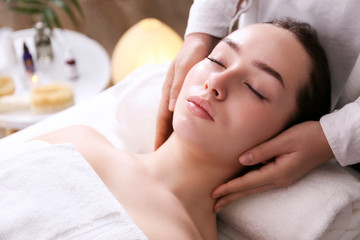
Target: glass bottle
column 43, row 47
column 28, row 61
column 70, row 65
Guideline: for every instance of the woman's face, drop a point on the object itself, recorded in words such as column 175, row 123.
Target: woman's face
column 244, row 92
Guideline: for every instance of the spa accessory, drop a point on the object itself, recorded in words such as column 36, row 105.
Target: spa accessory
column 51, row 98
column 70, row 65
column 7, row 86
column 28, row 60
column 14, row 103
column 43, row 99
column 43, row 47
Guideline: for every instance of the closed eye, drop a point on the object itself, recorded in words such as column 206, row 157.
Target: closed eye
column 216, row 61
column 257, row 94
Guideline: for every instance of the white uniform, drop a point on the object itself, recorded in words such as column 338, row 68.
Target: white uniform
column 338, row 26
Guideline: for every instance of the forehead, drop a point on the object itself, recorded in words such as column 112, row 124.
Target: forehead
column 267, row 35
column 276, row 47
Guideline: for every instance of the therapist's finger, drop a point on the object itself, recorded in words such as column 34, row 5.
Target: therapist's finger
column 164, row 116
column 226, row 200
column 163, row 125
column 168, row 86
column 250, row 180
column 178, row 80
column 266, row 151
column 195, row 48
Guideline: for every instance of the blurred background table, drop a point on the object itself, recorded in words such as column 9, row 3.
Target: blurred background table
column 106, row 21
column 92, row 61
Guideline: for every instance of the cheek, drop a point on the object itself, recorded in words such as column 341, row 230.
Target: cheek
column 184, row 123
column 247, row 130
column 252, row 125
column 198, row 74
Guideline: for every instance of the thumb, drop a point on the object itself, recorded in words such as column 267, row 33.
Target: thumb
column 167, row 86
column 178, row 80
column 265, row 151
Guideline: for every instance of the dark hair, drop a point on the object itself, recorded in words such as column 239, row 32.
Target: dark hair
column 314, row 99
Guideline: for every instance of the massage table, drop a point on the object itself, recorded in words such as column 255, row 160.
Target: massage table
column 325, row 204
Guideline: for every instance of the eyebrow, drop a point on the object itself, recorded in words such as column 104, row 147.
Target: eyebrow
column 232, row 44
column 260, row 65
column 269, row 70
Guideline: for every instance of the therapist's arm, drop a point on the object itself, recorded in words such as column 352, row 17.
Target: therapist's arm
column 342, row 130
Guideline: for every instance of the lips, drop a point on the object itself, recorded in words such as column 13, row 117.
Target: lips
column 200, row 108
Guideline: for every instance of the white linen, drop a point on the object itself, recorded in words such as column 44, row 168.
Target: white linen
column 137, row 98
column 51, row 192
column 338, row 26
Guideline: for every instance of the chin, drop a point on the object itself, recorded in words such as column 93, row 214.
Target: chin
column 205, row 141
column 204, row 135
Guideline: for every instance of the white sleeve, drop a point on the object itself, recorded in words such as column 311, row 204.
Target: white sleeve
column 211, row 16
column 342, row 130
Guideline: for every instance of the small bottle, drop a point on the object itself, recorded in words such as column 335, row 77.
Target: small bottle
column 70, row 65
column 28, row 60
column 44, row 51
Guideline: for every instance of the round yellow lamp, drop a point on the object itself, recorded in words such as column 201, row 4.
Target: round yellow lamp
column 148, row 41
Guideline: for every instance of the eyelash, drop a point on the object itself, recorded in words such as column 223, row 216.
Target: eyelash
column 215, row 61
column 256, row 93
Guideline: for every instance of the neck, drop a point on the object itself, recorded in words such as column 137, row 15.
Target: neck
column 190, row 174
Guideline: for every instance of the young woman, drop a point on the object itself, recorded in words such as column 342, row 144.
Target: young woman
column 252, row 86
column 334, row 136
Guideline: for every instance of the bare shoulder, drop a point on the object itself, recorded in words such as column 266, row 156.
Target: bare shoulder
column 91, row 144
column 73, row 134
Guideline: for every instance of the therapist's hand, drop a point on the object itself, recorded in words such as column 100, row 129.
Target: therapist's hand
column 196, row 47
column 293, row 153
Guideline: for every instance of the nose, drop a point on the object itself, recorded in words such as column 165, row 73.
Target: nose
column 220, row 84
column 216, row 90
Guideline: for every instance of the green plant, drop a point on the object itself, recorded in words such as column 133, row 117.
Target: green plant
column 44, row 10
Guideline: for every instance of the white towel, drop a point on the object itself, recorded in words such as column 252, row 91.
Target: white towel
column 303, row 211
column 51, row 192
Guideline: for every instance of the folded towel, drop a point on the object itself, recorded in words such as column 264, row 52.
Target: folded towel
column 51, row 192
column 303, row 211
